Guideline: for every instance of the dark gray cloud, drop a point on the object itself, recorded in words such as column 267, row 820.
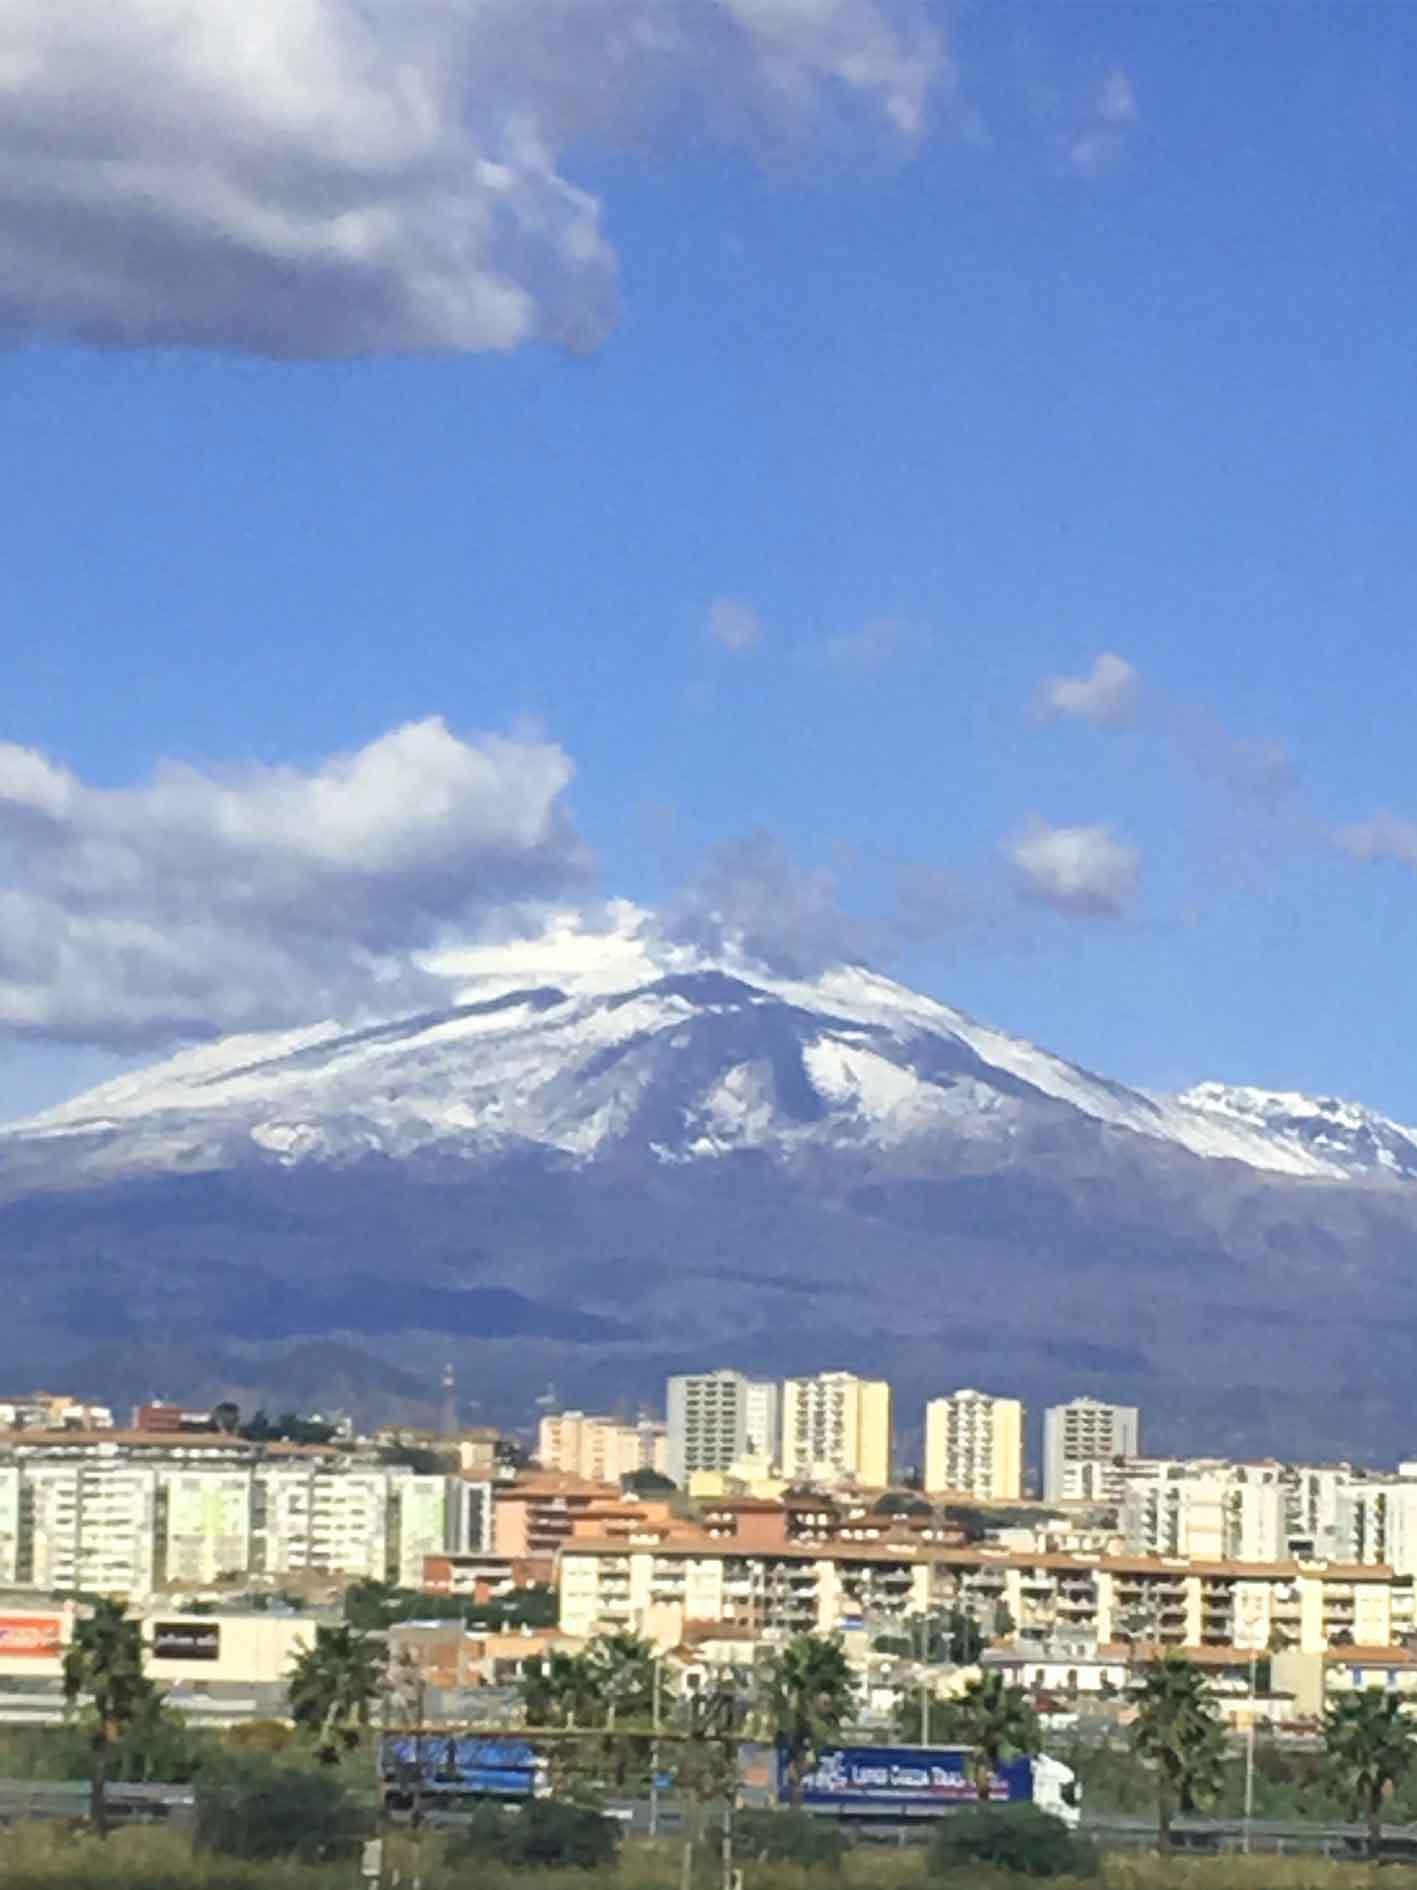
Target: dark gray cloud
column 197, row 903
column 326, row 177
column 751, row 897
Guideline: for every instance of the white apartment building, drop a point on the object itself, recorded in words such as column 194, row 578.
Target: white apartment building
column 50, row 1411
column 9, row 1526
column 89, row 1526
column 1377, row 1522
column 1205, row 1508
column 204, row 1528
column 974, row 1444
column 424, row 1512
column 1085, row 1431
column 601, row 1449
column 837, row 1426
column 717, row 1418
column 330, row 1520
column 1312, row 1509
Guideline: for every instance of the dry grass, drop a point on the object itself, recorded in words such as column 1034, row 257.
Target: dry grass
column 44, row 1857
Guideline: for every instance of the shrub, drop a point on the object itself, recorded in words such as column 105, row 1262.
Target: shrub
column 542, row 1834
column 1022, row 1839
column 786, row 1837
column 255, row 1806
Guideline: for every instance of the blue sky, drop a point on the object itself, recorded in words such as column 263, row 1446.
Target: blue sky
column 1109, row 354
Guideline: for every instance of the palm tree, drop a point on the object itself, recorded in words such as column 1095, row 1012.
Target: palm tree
column 333, row 1684
column 1367, row 1749
column 811, row 1694
column 562, row 1690
column 1177, row 1732
column 103, row 1665
column 621, row 1667
column 997, row 1720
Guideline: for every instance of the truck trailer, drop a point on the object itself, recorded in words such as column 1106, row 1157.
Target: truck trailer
column 908, row 1782
column 438, row 1771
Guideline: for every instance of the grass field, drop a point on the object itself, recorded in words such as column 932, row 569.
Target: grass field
column 36, row 1857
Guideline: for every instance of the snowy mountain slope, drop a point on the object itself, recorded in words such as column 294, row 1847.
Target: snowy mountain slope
column 590, row 1045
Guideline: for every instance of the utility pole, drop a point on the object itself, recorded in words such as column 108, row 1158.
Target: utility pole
column 1250, row 1757
column 654, row 1749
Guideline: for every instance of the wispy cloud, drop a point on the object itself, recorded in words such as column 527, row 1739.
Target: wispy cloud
column 1381, row 837
column 1080, row 872
column 1107, row 694
column 198, row 902
column 856, row 653
column 333, row 177
column 733, row 624
column 1112, row 115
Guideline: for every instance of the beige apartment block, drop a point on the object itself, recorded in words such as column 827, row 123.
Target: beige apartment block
column 974, row 1444
column 656, row 1583
column 837, row 1427
column 601, row 1449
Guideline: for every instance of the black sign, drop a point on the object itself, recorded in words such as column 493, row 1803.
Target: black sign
column 186, row 1640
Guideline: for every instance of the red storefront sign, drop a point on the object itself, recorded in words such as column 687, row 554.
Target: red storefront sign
column 33, row 1637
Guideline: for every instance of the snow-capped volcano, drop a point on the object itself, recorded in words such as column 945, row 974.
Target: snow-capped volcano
column 591, row 1045
column 603, row 1156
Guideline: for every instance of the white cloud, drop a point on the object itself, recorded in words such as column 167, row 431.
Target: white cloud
column 1081, row 872
column 734, row 624
column 200, row 903
column 1381, row 837
column 325, row 177
column 1107, row 694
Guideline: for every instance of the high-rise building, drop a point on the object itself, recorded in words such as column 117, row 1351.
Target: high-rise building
column 974, row 1444
column 1085, row 1431
column 836, row 1426
column 717, row 1418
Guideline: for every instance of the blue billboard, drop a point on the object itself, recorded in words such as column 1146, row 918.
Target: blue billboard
column 912, row 1781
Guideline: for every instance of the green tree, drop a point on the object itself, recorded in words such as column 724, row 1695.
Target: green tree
column 103, row 1669
column 1367, row 1751
column 561, row 1690
column 1018, row 1839
column 261, row 1805
column 1177, row 1732
column 997, row 1720
column 333, row 1684
column 226, row 1416
column 622, row 1673
column 945, row 1726
column 810, row 1696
